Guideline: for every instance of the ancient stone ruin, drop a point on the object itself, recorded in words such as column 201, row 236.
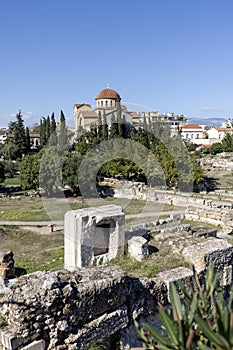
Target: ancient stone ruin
column 94, row 236
column 138, row 248
column 74, row 309
column 78, row 306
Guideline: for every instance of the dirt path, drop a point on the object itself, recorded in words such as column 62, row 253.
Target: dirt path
column 44, row 227
column 39, row 227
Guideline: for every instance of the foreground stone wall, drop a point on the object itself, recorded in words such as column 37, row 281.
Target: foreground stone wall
column 72, row 310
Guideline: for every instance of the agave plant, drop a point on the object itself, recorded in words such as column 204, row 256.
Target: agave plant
column 202, row 319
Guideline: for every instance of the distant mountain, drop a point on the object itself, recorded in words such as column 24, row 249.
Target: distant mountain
column 209, row 122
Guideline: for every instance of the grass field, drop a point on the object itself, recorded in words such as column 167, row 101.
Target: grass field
column 33, row 251
column 43, row 209
column 150, row 267
column 35, row 209
column 12, row 181
column 220, row 179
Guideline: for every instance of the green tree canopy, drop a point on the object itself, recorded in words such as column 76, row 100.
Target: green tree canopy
column 70, row 171
column 50, row 173
column 29, row 172
column 17, row 138
column 227, row 143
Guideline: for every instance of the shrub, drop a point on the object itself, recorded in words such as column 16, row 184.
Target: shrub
column 202, row 320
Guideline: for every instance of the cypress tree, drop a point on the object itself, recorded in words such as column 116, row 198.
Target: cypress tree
column 144, row 124
column 53, row 131
column 42, row 133
column 47, row 129
column 119, row 123
column 28, row 145
column 20, row 136
column 100, row 126
column 105, row 127
column 132, row 133
column 114, row 128
column 63, row 131
column 124, row 127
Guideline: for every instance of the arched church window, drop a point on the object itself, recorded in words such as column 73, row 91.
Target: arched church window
column 106, row 103
column 111, row 103
column 101, row 103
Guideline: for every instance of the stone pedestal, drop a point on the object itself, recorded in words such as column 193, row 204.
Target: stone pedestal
column 93, row 236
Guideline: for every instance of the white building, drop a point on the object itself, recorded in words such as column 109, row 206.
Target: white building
column 192, row 132
column 219, row 133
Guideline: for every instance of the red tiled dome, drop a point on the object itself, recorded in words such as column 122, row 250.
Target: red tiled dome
column 108, row 93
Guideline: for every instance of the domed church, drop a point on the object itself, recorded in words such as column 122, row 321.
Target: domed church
column 108, row 101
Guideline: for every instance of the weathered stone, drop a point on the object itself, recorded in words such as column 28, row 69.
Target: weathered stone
column 93, row 235
column 224, row 234
column 94, row 291
column 66, row 300
column 138, row 248
column 226, row 279
column 107, row 324
column 11, row 341
column 145, row 295
column 212, row 251
column 200, row 231
column 182, row 274
column 36, row 345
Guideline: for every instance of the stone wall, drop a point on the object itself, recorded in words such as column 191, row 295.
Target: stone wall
column 211, row 215
column 130, row 190
column 72, row 310
column 209, row 209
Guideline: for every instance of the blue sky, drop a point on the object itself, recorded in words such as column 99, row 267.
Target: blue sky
column 166, row 55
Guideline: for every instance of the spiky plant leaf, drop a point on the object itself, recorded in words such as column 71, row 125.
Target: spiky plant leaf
column 193, row 309
column 169, row 326
column 202, row 346
column 175, row 301
column 216, row 339
column 158, row 337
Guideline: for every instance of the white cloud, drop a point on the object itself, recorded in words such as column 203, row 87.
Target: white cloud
column 28, row 115
column 29, row 118
column 211, row 109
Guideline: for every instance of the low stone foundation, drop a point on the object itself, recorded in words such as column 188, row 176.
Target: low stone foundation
column 72, row 310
